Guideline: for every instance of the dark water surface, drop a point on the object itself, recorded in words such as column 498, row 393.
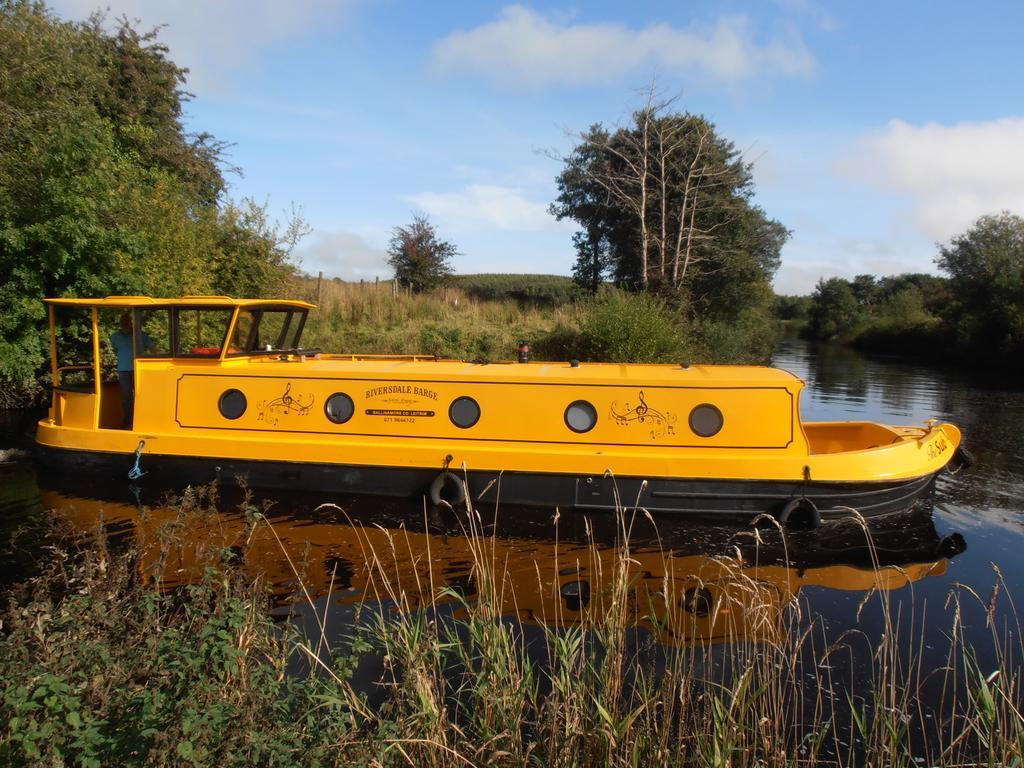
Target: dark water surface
column 556, row 570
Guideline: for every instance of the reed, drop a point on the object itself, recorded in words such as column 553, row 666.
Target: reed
column 104, row 659
column 467, row 684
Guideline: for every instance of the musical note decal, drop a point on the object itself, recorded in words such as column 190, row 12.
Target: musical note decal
column 658, row 423
column 272, row 411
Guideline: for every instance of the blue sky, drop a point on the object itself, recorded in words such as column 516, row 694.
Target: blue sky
column 876, row 129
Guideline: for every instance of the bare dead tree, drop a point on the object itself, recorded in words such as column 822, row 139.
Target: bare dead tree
column 663, row 170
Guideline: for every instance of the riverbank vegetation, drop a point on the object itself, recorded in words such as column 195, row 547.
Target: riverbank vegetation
column 455, row 322
column 974, row 314
column 106, row 658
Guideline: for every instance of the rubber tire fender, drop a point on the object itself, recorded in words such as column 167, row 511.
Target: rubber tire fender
column 803, row 512
column 963, row 458
column 447, row 481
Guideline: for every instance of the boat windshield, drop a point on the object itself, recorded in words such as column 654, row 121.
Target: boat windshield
column 180, row 331
column 267, row 329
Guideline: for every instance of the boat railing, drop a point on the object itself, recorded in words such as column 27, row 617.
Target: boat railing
column 87, row 385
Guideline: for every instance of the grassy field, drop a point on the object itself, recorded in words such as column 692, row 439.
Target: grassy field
column 100, row 666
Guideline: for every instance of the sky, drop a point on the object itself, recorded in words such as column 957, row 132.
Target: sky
column 877, row 130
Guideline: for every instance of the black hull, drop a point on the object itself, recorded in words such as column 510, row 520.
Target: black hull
column 705, row 498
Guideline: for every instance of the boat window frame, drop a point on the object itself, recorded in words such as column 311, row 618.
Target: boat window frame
column 176, row 310
column 137, row 331
column 93, row 384
column 278, row 348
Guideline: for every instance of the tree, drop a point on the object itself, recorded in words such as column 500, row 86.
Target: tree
column 673, row 201
column 419, row 257
column 593, row 259
column 986, row 268
column 865, row 288
column 834, row 310
column 102, row 191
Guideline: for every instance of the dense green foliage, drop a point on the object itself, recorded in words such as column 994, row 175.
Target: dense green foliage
column 538, row 290
column 102, row 190
column 834, row 309
column 666, row 204
column 420, row 258
column 902, row 314
column 986, row 269
column 974, row 315
column 619, row 327
column 792, row 308
column 99, row 670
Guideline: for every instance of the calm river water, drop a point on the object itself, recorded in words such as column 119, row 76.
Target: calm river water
column 555, row 569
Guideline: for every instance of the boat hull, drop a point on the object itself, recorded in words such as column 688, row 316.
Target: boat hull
column 699, row 497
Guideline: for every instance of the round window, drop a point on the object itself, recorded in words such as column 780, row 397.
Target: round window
column 232, row 404
column 699, row 601
column 580, row 416
column 706, row 420
column 339, row 408
column 464, row 412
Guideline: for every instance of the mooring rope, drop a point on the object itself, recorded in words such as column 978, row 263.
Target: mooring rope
column 136, row 472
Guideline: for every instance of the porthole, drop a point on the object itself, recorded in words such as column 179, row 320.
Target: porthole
column 706, row 420
column 339, row 408
column 698, row 601
column 232, row 404
column 580, row 416
column 464, row 412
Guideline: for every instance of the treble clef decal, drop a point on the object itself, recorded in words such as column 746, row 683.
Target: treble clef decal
column 661, row 421
column 642, row 409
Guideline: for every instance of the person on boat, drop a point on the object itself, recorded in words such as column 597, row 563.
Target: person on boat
column 124, row 347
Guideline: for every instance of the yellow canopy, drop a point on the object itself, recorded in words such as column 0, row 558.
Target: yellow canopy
column 205, row 301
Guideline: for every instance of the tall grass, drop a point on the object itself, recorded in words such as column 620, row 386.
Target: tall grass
column 374, row 318
column 106, row 659
column 452, row 322
column 762, row 689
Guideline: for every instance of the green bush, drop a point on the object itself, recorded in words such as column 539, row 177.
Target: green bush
column 98, row 670
column 441, row 340
column 617, row 326
column 747, row 339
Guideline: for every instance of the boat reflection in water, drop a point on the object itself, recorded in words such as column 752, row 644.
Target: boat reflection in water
column 688, row 583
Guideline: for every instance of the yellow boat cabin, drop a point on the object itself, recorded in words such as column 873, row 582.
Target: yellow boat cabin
column 212, row 388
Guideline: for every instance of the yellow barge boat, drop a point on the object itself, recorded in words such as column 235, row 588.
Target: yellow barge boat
column 223, row 389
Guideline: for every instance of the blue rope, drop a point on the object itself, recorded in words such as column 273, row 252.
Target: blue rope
column 136, row 472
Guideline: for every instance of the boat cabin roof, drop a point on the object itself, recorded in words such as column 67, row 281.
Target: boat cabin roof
column 184, row 301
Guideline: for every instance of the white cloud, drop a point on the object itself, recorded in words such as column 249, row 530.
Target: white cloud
column 524, row 46
column 213, row 38
column 484, row 206
column 343, row 254
column 817, row 14
column 808, row 259
column 951, row 174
